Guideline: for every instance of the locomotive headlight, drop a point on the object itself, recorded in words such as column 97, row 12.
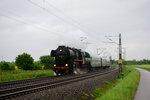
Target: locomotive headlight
column 66, row 64
column 54, row 65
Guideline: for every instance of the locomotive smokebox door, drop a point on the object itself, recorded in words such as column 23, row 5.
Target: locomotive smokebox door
column 53, row 53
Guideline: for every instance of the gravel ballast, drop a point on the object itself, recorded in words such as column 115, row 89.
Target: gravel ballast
column 74, row 91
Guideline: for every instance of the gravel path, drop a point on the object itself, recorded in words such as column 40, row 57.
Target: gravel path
column 143, row 92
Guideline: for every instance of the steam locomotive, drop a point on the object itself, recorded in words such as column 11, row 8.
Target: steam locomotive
column 71, row 60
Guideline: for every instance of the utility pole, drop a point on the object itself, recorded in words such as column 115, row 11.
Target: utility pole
column 120, row 53
column 120, row 50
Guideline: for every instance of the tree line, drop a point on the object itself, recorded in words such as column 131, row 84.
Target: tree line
column 134, row 62
column 26, row 62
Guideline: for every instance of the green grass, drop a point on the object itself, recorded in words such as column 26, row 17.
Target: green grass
column 146, row 67
column 23, row 74
column 101, row 91
column 123, row 88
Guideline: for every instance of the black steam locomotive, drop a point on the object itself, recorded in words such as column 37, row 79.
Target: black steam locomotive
column 71, row 60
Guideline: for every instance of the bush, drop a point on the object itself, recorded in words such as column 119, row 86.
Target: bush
column 6, row 66
column 47, row 61
column 12, row 66
column 37, row 66
column 25, row 61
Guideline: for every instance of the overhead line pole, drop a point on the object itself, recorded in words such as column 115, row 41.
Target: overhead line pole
column 120, row 53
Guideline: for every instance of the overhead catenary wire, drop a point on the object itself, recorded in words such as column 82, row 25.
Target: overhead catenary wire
column 39, row 26
column 78, row 26
column 52, row 13
column 68, row 17
column 13, row 16
column 111, row 40
column 24, row 21
column 83, row 27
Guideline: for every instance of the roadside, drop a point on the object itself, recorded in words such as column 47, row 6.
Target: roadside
column 125, row 86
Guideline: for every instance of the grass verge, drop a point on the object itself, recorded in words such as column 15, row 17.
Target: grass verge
column 146, row 67
column 123, row 88
column 22, row 74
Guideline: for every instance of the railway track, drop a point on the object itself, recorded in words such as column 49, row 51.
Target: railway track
column 45, row 83
column 6, row 85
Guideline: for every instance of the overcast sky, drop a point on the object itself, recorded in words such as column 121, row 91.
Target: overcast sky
column 38, row 26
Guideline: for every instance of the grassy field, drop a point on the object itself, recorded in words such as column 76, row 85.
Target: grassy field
column 124, row 87
column 22, row 74
column 146, row 67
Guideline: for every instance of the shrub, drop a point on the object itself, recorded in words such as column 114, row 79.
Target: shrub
column 47, row 61
column 25, row 61
column 12, row 66
column 6, row 66
column 37, row 66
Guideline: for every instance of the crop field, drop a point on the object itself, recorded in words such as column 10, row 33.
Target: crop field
column 123, row 88
column 23, row 74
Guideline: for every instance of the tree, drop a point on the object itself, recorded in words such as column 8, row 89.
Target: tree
column 47, row 61
column 25, row 61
